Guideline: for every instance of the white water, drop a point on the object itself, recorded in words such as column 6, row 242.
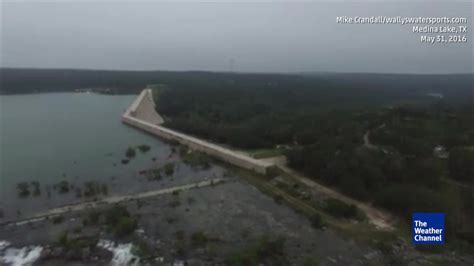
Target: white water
column 18, row 257
column 122, row 253
column 26, row 256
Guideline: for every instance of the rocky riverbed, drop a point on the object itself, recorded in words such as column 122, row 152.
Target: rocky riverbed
column 211, row 225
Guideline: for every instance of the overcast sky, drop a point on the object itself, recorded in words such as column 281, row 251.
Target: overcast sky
column 246, row 37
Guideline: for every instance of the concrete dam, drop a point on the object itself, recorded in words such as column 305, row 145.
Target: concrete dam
column 142, row 115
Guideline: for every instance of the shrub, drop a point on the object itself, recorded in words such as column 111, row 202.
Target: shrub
column 153, row 175
column 125, row 226
column 140, row 203
column 113, row 215
column 406, row 199
column 174, row 203
column 142, row 248
column 278, row 198
column 36, row 188
column 461, row 164
column 245, row 233
column 171, row 220
column 341, row 209
column 191, row 200
column 130, row 152
column 197, row 160
column 169, row 169
column 78, row 192
column 173, row 143
column 199, row 239
column 92, row 218
column 179, row 235
column 310, row 261
column 316, row 221
column 91, row 189
column 58, row 219
column 76, row 245
column 119, row 221
column 144, row 148
column 270, row 251
column 23, row 189
column 467, row 236
column 183, row 150
column 63, row 239
column 62, row 187
column 104, row 189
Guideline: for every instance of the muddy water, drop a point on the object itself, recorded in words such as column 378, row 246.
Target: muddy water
column 74, row 137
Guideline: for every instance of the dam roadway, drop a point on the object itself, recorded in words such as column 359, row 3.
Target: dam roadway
column 142, row 115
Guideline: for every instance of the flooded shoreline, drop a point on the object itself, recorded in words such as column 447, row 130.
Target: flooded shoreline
column 76, row 153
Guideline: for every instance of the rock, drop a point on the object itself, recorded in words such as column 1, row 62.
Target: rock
column 102, row 254
column 86, row 253
column 371, row 255
column 46, row 253
column 73, row 254
column 57, row 252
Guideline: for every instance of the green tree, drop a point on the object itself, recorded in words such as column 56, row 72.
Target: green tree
column 169, row 169
column 461, row 164
column 130, row 152
column 23, row 189
column 144, row 148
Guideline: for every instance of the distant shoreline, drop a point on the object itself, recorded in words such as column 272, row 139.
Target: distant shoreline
column 234, row 72
column 27, row 80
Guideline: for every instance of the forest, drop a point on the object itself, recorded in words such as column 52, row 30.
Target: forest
column 404, row 152
column 328, row 87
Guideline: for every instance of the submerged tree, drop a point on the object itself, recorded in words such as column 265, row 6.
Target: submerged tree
column 130, row 153
column 36, row 188
column 62, row 187
column 144, row 148
column 169, row 169
column 23, row 189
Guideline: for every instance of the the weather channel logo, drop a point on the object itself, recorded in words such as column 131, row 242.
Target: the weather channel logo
column 428, row 228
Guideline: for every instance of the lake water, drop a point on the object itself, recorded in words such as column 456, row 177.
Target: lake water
column 76, row 137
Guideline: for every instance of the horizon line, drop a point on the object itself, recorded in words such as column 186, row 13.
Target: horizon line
column 235, row 72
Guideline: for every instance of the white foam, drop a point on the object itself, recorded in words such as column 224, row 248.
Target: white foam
column 122, row 253
column 4, row 244
column 19, row 256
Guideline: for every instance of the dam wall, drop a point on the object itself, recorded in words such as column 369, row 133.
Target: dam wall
column 143, row 108
column 142, row 115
